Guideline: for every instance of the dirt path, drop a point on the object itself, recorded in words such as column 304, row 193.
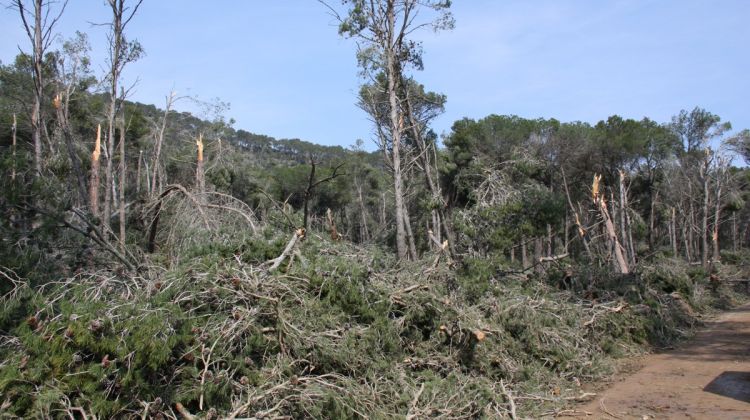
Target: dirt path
column 707, row 378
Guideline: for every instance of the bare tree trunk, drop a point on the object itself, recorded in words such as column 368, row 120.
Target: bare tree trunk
column 550, row 240
column 398, row 189
column 94, row 183
column 13, row 135
column 436, row 228
column 122, row 183
column 524, row 254
column 382, row 211
column 734, row 231
column 36, row 114
column 120, row 53
column 704, row 218
column 410, row 235
column 581, row 229
column 138, row 173
column 687, row 238
column 538, row 250
column 609, row 226
column 652, row 219
column 690, row 249
column 364, row 231
column 160, row 140
column 673, row 238
column 200, row 179
column 114, row 74
column 717, row 220
column 566, row 237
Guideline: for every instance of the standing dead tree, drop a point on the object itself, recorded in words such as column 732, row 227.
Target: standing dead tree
column 38, row 26
column 121, row 52
column 312, row 183
column 159, row 141
column 94, row 177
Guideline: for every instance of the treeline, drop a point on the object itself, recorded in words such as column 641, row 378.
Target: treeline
column 525, row 190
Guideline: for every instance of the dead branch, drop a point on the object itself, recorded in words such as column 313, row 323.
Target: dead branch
column 299, row 234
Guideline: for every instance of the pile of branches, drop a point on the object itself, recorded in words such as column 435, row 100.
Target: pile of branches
column 263, row 326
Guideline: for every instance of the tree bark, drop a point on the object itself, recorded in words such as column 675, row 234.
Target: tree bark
column 122, row 183
column 396, row 127
column 409, row 235
column 36, row 114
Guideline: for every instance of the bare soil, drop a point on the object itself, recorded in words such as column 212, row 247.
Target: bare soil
column 707, row 377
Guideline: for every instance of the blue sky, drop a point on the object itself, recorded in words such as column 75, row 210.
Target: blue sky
column 287, row 73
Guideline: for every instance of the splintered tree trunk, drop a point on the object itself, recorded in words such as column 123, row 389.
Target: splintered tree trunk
column 94, row 183
column 122, row 184
column 609, row 226
column 200, row 179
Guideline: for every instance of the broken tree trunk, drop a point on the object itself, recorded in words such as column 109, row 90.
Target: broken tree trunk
column 200, row 178
column 601, row 203
column 95, row 164
column 335, row 236
column 299, row 234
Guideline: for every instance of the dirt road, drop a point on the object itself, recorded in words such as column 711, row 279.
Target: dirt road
column 706, row 378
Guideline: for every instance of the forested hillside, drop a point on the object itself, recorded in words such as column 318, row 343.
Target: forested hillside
column 158, row 264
